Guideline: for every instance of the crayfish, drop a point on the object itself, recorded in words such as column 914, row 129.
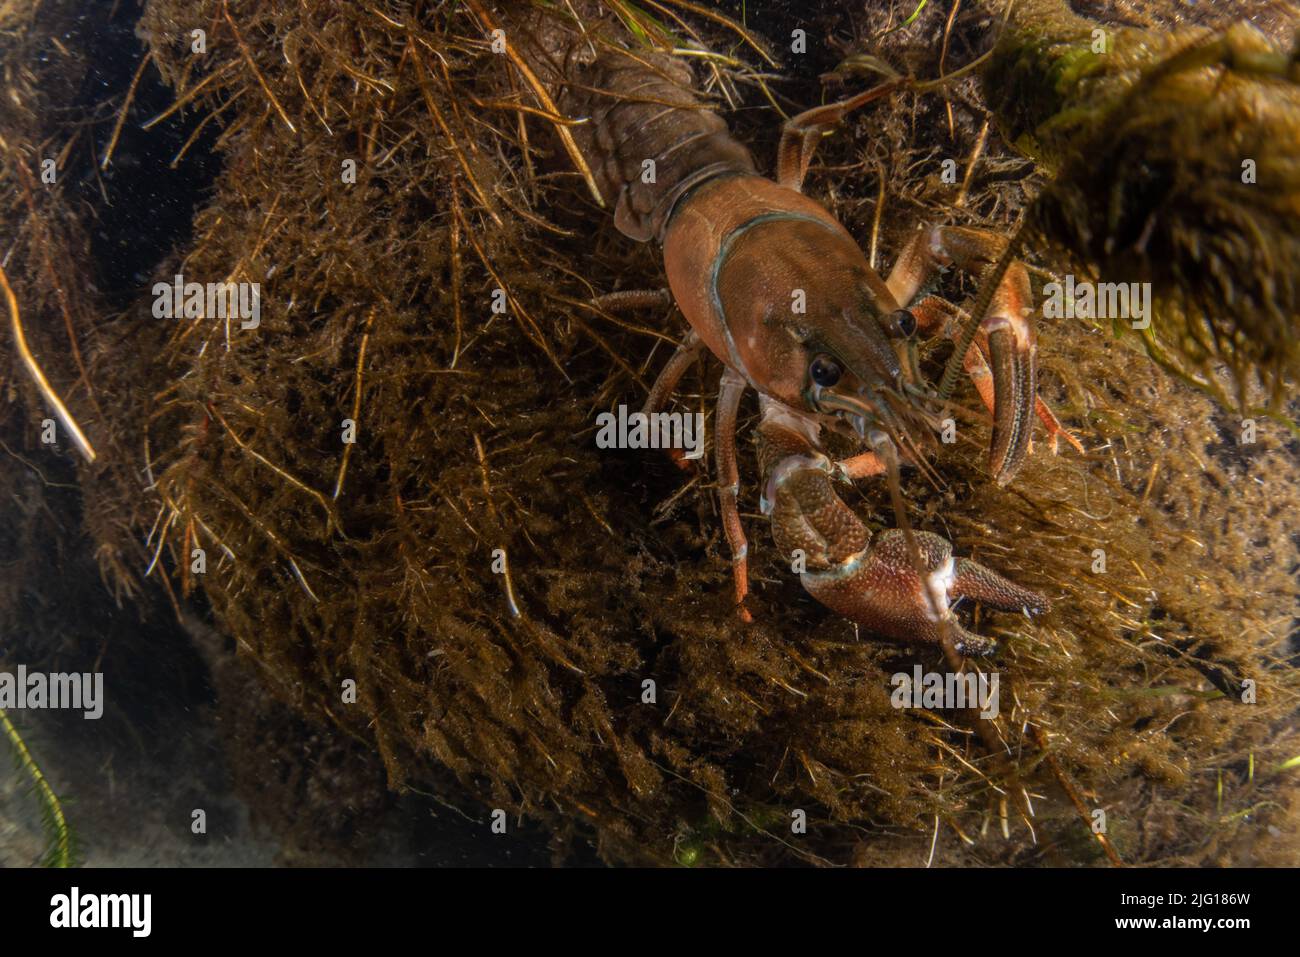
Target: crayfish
column 780, row 292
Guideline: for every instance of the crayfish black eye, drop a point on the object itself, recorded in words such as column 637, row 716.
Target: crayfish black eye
column 905, row 322
column 825, row 371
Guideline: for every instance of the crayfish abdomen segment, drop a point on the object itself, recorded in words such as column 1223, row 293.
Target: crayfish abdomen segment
column 650, row 138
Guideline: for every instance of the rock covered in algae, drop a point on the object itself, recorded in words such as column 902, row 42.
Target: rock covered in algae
column 1176, row 149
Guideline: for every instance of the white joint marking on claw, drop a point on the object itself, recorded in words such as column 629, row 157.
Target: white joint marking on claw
column 784, row 469
column 939, row 584
column 843, row 570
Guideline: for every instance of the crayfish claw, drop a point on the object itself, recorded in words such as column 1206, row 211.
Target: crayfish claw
column 975, row 581
column 1014, row 386
column 884, row 589
column 1009, row 338
column 971, row 645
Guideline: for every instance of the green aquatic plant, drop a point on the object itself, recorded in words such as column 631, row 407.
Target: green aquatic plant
column 60, row 849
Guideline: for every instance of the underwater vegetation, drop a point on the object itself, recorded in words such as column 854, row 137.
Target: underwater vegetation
column 1156, row 143
column 378, row 482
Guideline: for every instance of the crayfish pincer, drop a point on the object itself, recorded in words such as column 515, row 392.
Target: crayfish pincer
column 740, row 250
